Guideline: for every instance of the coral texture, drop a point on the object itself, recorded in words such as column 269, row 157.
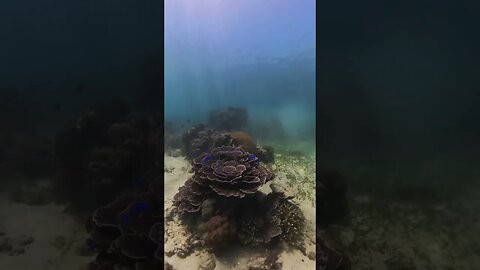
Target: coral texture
column 244, row 140
column 127, row 233
column 265, row 153
column 291, row 221
column 196, row 141
column 226, row 172
column 257, row 224
column 199, row 139
column 219, row 230
column 265, row 218
column 106, row 151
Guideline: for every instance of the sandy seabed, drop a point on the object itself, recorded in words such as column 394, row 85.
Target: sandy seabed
column 40, row 237
column 177, row 172
column 46, row 237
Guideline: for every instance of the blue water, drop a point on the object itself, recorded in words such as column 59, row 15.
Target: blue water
column 259, row 55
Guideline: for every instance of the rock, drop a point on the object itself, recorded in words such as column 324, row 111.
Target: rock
column 170, row 214
column 207, row 262
column 169, row 250
column 278, row 188
column 208, row 208
column 182, row 254
column 167, row 266
column 311, row 255
column 6, row 245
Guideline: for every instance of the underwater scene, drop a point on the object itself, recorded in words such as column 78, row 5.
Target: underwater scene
column 81, row 134
column 240, row 159
column 398, row 120
column 304, row 134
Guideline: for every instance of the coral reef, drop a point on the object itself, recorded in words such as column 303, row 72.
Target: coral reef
column 244, row 140
column 107, row 150
column 196, row 141
column 265, row 153
column 291, row 219
column 222, row 199
column 257, row 223
column 128, row 232
column 229, row 119
column 219, row 230
column 227, row 172
column 199, row 139
column 265, row 218
column 332, row 202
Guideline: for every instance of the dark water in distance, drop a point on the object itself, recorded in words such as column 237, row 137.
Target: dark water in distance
column 77, row 53
column 58, row 59
column 398, row 81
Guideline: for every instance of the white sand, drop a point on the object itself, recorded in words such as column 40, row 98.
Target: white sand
column 43, row 223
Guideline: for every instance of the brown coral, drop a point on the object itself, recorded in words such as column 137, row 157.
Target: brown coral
column 244, row 140
column 219, row 231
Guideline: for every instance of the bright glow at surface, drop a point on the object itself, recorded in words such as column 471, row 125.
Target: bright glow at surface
column 248, row 53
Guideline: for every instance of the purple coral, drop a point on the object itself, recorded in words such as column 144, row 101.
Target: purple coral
column 128, row 232
column 227, row 172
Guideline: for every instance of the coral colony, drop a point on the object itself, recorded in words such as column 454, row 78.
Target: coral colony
column 222, row 198
column 106, row 151
column 112, row 153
